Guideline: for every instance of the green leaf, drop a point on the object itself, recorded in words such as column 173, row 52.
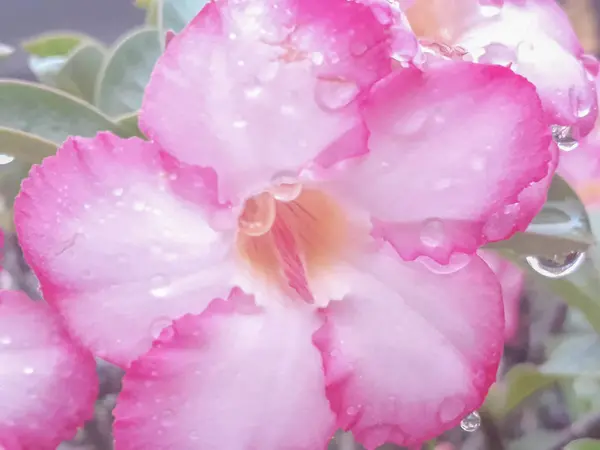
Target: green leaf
column 129, row 122
column 561, row 227
column 584, row 444
column 574, row 355
column 5, row 50
column 535, row 440
column 48, row 113
column 126, row 73
column 519, row 383
column 176, row 14
column 25, row 146
column 54, row 44
column 78, row 74
column 46, row 68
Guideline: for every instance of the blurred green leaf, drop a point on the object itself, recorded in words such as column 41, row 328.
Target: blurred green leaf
column 176, row 14
column 5, row 50
column 144, row 4
column 561, row 227
column 584, row 444
column 25, row 146
column 121, row 84
column 48, row 113
column 78, row 74
column 129, row 122
column 46, row 68
column 535, row 440
column 574, row 355
column 519, row 383
column 54, row 44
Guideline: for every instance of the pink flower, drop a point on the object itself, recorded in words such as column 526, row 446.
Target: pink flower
column 307, row 217
column 48, row 384
column 511, row 280
column 532, row 37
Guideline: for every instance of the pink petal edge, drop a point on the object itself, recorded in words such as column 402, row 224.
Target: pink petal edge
column 48, row 384
column 117, row 233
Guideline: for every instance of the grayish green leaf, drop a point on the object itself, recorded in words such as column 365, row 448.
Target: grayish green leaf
column 176, row 14
column 24, row 146
column 574, row 355
column 129, row 122
column 522, row 381
column 584, row 444
column 54, row 44
column 48, row 113
column 79, row 72
column 46, row 68
column 121, row 84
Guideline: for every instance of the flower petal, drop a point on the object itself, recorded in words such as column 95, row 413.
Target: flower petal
column 450, row 149
column 401, row 325
column 535, row 39
column 117, row 235
column 48, row 384
column 233, row 377
column 511, row 280
column 266, row 86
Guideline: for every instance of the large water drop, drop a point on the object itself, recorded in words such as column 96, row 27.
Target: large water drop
column 471, row 423
column 557, row 267
column 563, row 136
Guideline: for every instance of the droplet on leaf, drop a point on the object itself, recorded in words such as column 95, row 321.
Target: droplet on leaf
column 557, row 267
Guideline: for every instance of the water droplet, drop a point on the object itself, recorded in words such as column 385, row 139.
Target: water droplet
column 432, row 233
column 457, row 262
column 317, row 58
column 286, row 188
column 117, row 192
column 258, row 215
column 563, row 136
column 28, row 370
column 358, row 48
column 159, row 325
column 240, row 124
column 471, row 423
column 581, row 102
column 160, row 292
column 557, row 267
column 268, row 72
column 253, row 92
column 490, row 10
column 334, row 94
column 6, row 159
column 352, row 410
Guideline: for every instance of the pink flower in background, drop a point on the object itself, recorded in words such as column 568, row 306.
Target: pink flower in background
column 532, row 37
column 48, row 384
column 307, row 217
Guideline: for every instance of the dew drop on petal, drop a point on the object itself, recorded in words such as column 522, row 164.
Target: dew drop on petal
column 457, row 262
column 335, row 94
column 471, row 423
column 563, row 136
column 258, row 215
column 286, row 188
column 28, row 370
column 5, row 340
column 557, row 267
column 160, row 324
column 490, row 8
column 432, row 233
